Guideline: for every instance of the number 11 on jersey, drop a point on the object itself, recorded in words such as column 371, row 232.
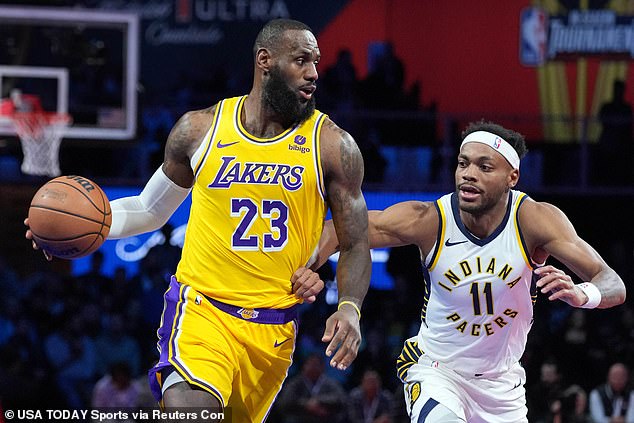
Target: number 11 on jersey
column 488, row 296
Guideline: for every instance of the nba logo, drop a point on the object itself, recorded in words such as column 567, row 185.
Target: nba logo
column 533, row 36
column 497, row 143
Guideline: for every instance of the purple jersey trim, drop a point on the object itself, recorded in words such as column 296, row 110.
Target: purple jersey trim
column 175, row 300
column 269, row 316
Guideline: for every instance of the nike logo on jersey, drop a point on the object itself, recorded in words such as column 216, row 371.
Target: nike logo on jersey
column 278, row 344
column 221, row 145
column 451, row 244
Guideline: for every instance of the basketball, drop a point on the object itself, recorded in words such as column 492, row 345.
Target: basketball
column 70, row 217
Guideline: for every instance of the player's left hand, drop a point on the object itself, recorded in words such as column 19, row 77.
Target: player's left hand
column 343, row 333
column 306, row 284
column 559, row 286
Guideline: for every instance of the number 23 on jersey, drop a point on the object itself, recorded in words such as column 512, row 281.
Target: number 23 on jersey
column 248, row 211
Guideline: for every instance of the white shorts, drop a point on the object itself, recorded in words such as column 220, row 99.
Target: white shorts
column 483, row 399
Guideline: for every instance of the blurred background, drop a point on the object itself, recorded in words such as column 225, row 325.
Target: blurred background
column 403, row 77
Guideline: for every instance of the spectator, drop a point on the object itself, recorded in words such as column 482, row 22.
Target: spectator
column 615, row 143
column 340, row 83
column 312, row 397
column 9, row 282
column 541, row 396
column 375, row 347
column 22, row 372
column 152, row 283
column 116, row 389
column 72, row 355
column 404, row 265
column 574, row 342
column 369, row 403
column 167, row 253
column 386, row 79
column 616, row 117
column 571, row 406
column 94, row 282
column 9, row 313
column 613, row 401
column 115, row 345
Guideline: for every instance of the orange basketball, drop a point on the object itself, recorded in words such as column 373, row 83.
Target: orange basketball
column 70, row 217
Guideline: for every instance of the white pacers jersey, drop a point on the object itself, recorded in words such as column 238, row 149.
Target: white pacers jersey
column 479, row 294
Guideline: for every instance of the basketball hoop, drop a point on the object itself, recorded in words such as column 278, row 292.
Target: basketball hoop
column 40, row 135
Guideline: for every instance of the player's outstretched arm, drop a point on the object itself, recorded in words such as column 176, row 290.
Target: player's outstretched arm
column 169, row 185
column 550, row 232
column 343, row 175
column 405, row 223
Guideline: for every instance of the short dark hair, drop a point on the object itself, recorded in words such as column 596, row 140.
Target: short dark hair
column 514, row 138
column 271, row 34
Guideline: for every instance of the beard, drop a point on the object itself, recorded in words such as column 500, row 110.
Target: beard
column 475, row 209
column 284, row 101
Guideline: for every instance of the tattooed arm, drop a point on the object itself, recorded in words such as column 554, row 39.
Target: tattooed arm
column 343, row 175
column 183, row 140
column 169, row 185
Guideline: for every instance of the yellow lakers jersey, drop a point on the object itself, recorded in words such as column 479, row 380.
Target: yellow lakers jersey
column 257, row 210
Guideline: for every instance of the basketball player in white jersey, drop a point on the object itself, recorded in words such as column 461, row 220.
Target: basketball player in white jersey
column 484, row 249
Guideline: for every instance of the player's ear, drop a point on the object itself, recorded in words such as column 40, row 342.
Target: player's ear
column 263, row 60
column 514, row 178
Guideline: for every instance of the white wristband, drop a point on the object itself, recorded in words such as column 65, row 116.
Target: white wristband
column 593, row 293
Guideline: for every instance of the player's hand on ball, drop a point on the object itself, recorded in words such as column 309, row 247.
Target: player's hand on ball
column 344, row 336
column 69, row 217
column 29, row 235
column 306, row 284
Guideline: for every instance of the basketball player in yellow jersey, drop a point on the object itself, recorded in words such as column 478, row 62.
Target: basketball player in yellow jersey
column 260, row 210
column 263, row 168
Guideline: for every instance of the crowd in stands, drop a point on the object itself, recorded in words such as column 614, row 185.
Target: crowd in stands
column 399, row 131
column 402, row 135
column 87, row 341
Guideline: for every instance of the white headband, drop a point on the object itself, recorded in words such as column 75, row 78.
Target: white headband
column 497, row 143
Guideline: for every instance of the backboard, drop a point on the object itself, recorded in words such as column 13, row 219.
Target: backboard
column 77, row 61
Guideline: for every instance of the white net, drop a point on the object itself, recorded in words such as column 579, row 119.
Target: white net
column 41, row 136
